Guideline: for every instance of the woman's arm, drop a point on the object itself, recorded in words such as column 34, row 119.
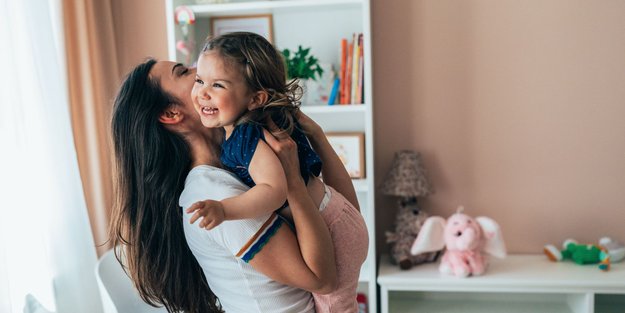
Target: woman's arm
column 306, row 261
column 334, row 173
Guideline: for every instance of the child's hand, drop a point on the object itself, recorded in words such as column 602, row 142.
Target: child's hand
column 211, row 212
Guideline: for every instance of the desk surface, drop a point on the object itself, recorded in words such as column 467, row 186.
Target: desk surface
column 515, row 273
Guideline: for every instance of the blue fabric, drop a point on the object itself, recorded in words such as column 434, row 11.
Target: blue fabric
column 262, row 241
column 238, row 150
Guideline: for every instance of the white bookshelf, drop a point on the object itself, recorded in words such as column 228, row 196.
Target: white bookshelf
column 518, row 284
column 319, row 24
column 243, row 7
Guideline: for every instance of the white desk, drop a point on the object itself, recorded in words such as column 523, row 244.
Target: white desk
column 518, row 284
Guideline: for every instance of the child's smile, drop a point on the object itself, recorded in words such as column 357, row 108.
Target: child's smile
column 208, row 110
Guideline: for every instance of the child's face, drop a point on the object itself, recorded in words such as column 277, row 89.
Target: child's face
column 220, row 94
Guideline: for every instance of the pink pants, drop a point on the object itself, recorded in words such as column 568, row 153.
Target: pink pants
column 351, row 240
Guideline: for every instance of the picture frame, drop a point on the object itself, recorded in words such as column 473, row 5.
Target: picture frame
column 350, row 147
column 261, row 24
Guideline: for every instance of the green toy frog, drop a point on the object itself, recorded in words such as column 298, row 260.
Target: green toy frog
column 580, row 254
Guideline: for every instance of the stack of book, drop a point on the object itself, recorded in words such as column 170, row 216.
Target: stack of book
column 348, row 86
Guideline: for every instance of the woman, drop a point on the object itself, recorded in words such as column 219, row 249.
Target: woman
column 158, row 138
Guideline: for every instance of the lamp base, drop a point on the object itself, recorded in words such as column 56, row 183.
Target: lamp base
column 408, row 223
column 408, row 201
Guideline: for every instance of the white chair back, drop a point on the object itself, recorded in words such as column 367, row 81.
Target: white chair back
column 116, row 289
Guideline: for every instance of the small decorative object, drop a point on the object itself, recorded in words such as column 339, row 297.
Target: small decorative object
column 407, row 180
column 184, row 17
column 350, row 147
column 616, row 250
column 582, row 254
column 466, row 239
column 361, row 298
column 261, row 24
column 318, row 91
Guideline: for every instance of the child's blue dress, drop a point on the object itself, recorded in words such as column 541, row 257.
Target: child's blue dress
column 238, row 150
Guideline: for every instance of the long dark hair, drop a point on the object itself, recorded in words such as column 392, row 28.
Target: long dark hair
column 151, row 164
column 264, row 69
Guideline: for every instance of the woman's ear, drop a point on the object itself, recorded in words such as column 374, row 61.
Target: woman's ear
column 258, row 100
column 171, row 115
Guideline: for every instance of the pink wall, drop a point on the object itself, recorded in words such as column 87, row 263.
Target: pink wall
column 515, row 105
column 141, row 31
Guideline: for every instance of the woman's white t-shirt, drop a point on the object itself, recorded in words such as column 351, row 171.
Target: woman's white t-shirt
column 224, row 251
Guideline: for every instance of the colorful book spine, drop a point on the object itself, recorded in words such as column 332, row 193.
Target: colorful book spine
column 351, row 74
column 334, row 92
column 343, row 71
column 355, row 68
column 348, row 74
column 361, row 72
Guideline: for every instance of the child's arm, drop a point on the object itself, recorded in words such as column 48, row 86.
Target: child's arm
column 266, row 196
column 270, row 191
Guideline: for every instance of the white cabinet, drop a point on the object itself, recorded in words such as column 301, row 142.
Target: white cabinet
column 518, row 284
column 319, row 24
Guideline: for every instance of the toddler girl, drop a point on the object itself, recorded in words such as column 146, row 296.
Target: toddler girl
column 241, row 86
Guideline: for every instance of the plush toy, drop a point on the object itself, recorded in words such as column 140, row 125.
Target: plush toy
column 407, row 225
column 587, row 253
column 466, row 239
column 616, row 250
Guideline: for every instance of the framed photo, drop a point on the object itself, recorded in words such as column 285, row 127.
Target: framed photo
column 261, row 24
column 350, row 148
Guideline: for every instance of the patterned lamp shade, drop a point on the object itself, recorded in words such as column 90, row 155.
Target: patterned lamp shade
column 407, row 176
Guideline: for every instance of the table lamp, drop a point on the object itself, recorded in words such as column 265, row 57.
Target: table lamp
column 406, row 179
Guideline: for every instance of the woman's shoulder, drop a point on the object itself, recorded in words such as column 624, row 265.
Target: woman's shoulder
column 210, row 182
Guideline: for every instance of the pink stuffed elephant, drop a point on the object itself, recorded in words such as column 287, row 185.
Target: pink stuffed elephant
column 466, row 239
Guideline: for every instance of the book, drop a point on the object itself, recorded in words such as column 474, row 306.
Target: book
column 351, row 73
column 348, row 74
column 334, row 92
column 343, row 71
column 361, row 72
column 355, row 66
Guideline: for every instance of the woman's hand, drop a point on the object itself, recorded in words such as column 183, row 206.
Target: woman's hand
column 286, row 149
column 310, row 127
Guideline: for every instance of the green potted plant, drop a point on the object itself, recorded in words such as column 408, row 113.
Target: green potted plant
column 300, row 64
column 304, row 67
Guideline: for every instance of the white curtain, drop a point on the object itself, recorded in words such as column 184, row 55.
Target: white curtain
column 46, row 245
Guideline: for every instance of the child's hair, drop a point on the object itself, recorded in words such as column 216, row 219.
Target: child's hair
column 263, row 68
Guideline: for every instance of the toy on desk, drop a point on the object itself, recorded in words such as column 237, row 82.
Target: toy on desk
column 408, row 222
column 467, row 240
column 616, row 250
column 587, row 253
